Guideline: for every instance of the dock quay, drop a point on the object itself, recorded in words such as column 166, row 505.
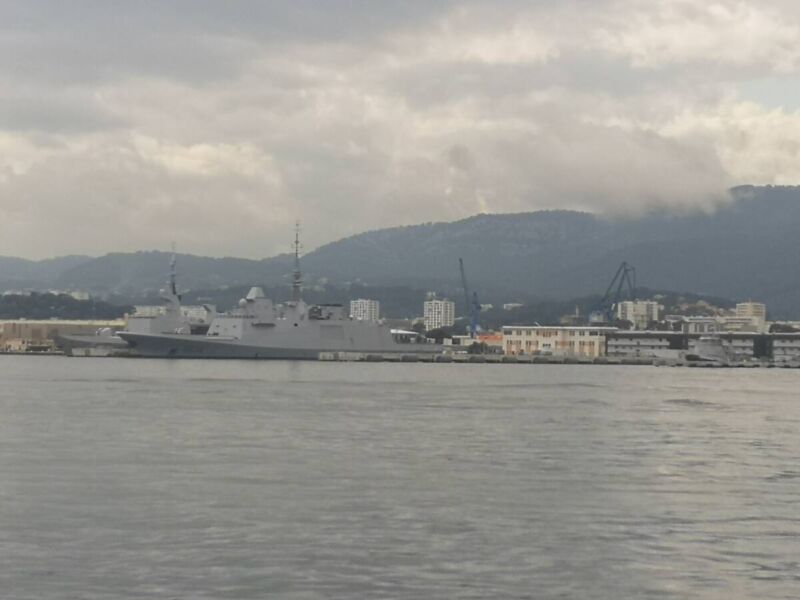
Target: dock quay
column 540, row 360
column 478, row 359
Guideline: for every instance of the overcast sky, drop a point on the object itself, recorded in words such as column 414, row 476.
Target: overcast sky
column 130, row 125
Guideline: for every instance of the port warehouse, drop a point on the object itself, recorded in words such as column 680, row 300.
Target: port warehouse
column 22, row 335
column 593, row 342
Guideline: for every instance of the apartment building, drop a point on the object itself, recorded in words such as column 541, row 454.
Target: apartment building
column 364, row 309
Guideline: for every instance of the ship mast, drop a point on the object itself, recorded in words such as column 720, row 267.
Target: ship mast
column 172, row 278
column 297, row 276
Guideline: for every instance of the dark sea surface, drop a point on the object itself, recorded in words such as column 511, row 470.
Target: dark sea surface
column 194, row 479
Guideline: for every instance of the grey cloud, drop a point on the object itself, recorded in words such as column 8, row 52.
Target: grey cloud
column 54, row 113
column 198, row 40
column 128, row 126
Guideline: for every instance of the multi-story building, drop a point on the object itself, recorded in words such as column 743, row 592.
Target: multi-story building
column 648, row 344
column 718, row 324
column 752, row 309
column 364, row 309
column 609, row 341
column 639, row 312
column 780, row 347
column 786, row 347
column 556, row 341
column 755, row 312
column 438, row 313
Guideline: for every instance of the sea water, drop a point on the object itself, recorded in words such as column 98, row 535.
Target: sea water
column 231, row 479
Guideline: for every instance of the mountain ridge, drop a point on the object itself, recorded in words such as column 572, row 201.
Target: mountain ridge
column 746, row 249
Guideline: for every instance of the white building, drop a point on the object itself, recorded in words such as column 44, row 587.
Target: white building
column 752, row 309
column 365, row 310
column 438, row 313
column 756, row 312
column 786, row 347
column 556, row 341
column 706, row 325
column 639, row 312
column 646, row 344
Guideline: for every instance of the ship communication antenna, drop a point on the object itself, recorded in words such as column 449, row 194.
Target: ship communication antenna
column 297, row 276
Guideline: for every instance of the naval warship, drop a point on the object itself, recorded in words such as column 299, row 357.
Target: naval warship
column 260, row 329
column 169, row 318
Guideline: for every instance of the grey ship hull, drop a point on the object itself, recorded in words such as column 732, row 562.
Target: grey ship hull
column 68, row 342
column 184, row 346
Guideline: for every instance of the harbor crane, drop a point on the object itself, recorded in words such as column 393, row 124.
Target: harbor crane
column 624, row 281
column 471, row 304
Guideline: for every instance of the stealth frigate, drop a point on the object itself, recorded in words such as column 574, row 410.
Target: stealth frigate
column 292, row 330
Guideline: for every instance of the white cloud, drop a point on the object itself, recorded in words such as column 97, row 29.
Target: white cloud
column 722, row 32
column 762, row 146
column 218, row 131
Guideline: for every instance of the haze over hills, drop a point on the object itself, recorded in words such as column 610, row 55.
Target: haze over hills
column 23, row 272
column 747, row 249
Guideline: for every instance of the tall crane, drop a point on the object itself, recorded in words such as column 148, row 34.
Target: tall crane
column 471, row 304
column 604, row 312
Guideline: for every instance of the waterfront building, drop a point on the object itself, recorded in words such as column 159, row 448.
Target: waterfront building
column 20, row 335
column 780, row 347
column 672, row 344
column 785, row 347
column 587, row 342
column 438, row 313
column 365, row 310
column 638, row 312
column 493, row 339
column 739, row 346
column 646, row 344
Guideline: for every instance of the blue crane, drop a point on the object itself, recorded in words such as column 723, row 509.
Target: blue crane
column 473, row 307
column 604, row 311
